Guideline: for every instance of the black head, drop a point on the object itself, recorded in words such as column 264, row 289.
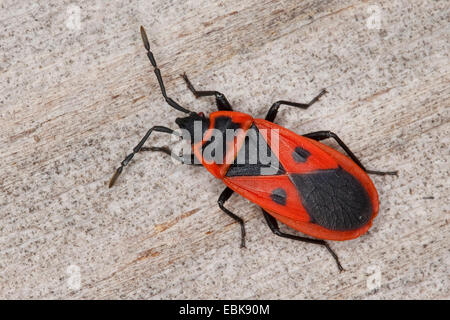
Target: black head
column 195, row 125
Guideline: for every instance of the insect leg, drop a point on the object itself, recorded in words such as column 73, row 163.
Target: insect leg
column 224, row 196
column 273, row 225
column 321, row 135
column 221, row 101
column 136, row 149
column 183, row 159
column 272, row 113
column 150, row 56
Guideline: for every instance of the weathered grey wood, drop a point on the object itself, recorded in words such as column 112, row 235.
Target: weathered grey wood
column 75, row 101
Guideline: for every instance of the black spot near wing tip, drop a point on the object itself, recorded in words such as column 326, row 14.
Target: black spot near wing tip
column 334, row 199
column 300, row 154
column 279, row 196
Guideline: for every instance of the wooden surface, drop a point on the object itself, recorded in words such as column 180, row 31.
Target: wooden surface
column 76, row 97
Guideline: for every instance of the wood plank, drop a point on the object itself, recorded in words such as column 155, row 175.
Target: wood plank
column 74, row 101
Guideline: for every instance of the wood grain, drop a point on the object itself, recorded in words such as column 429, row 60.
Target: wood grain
column 74, row 101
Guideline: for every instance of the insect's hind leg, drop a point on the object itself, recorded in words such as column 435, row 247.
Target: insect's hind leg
column 273, row 111
column 321, row 135
column 273, row 225
column 224, row 196
column 221, row 101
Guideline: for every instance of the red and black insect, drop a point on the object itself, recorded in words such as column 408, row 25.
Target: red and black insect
column 313, row 188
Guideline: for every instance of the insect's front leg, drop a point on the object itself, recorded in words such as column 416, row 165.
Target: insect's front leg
column 221, row 101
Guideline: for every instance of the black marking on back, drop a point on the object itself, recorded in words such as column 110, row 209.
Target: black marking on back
column 300, row 154
column 279, row 196
column 221, row 123
column 248, row 161
column 334, row 199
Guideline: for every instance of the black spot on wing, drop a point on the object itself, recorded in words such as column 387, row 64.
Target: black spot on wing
column 279, row 196
column 300, row 154
column 334, row 199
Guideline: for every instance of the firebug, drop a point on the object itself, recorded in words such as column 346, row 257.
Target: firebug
column 307, row 185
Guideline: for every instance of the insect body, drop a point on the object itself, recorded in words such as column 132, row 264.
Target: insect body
column 306, row 185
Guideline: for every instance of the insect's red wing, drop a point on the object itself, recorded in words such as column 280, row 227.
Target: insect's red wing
column 298, row 155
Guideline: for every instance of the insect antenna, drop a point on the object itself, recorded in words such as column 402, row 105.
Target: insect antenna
column 150, row 56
